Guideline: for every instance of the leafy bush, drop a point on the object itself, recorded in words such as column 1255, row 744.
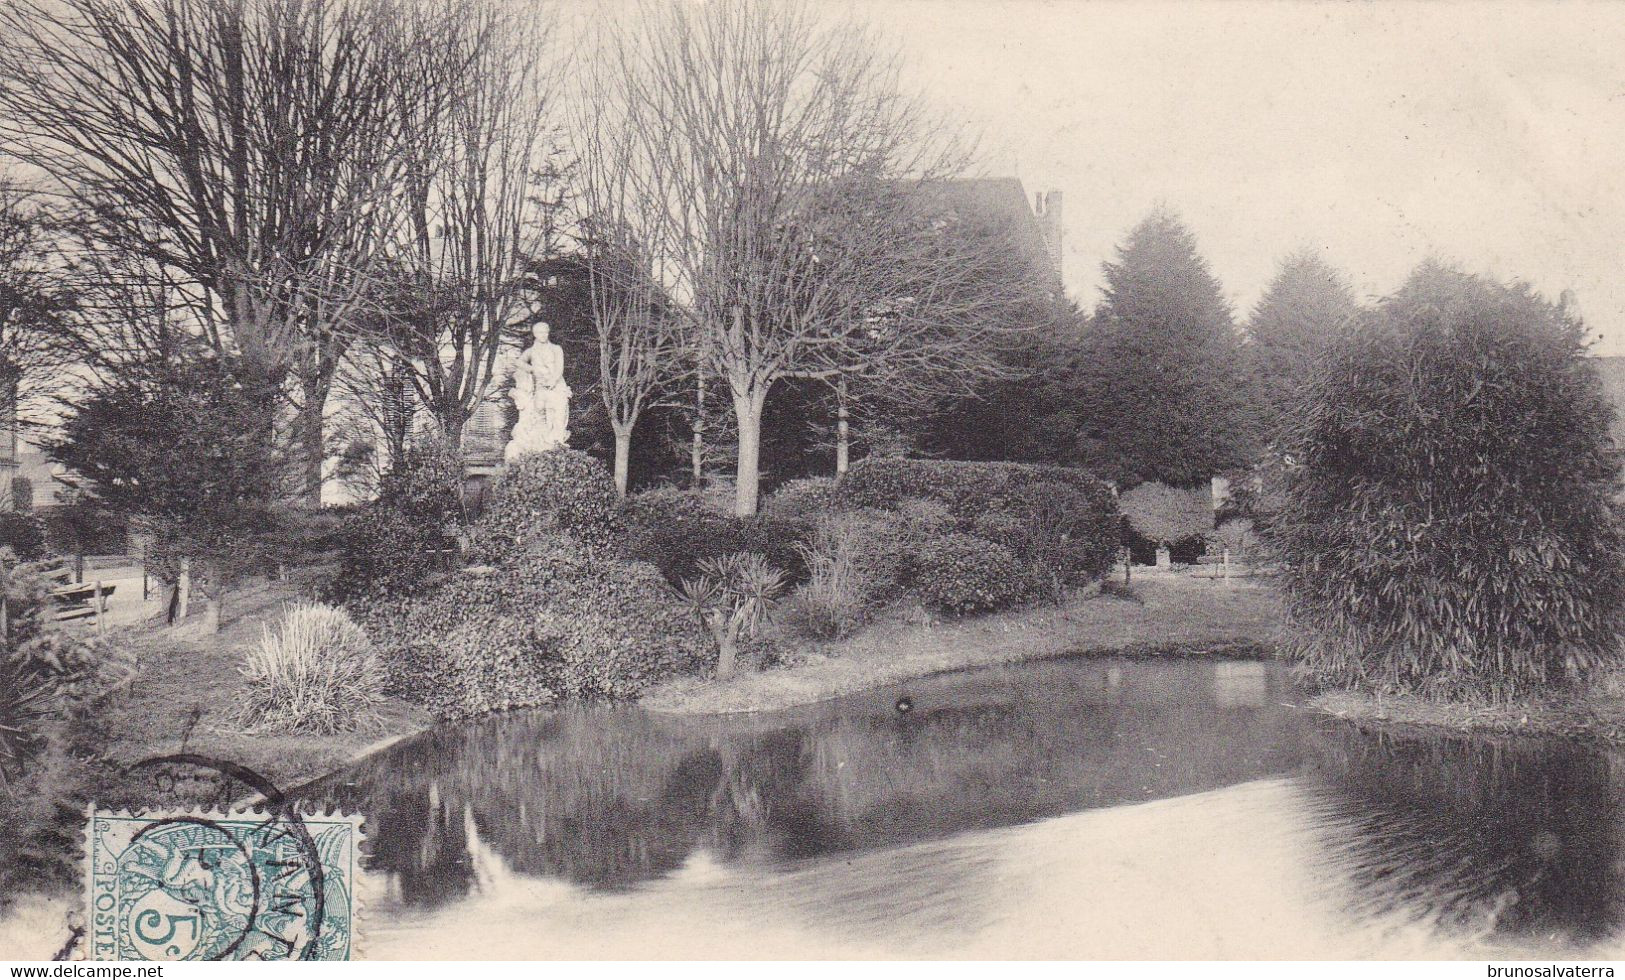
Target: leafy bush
column 1060, row 524
column 561, row 491
column 429, row 485
column 46, row 671
column 399, row 542
column 961, row 573
column 383, row 551
column 26, row 701
column 1451, row 526
column 968, row 489
column 560, row 619
column 676, row 531
column 23, row 533
column 1061, row 534
column 314, row 671
column 804, row 498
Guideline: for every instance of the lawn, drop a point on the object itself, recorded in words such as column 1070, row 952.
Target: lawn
column 1174, row 615
column 184, row 699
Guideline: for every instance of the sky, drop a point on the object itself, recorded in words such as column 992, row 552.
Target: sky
column 1489, row 135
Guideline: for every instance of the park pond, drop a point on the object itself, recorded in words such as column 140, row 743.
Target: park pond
column 1086, row 807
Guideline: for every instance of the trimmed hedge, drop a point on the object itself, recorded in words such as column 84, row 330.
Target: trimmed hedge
column 1059, row 525
column 961, row 573
column 676, row 530
column 562, row 619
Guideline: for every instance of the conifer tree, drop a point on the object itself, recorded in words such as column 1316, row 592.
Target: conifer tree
column 1301, row 312
column 1162, row 389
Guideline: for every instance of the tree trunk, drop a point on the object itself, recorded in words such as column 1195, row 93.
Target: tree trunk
column 748, row 474
column 696, row 451
column 843, row 451
column 623, row 456
column 313, row 445
column 727, row 651
column 183, row 590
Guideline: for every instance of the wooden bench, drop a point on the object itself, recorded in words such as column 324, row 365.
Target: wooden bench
column 77, row 600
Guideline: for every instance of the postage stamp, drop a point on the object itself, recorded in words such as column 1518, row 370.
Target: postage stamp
column 212, row 885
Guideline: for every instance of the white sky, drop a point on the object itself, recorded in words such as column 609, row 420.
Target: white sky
column 1492, row 135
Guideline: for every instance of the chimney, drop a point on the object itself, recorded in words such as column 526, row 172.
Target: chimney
column 1049, row 218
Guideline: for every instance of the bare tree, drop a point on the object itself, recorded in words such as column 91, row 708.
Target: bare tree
column 775, row 130
column 37, row 310
column 247, row 147
column 623, row 229
column 481, row 206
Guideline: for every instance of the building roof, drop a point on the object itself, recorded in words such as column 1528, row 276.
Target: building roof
column 1036, row 229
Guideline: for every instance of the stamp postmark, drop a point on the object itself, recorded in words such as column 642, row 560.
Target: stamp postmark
column 213, row 885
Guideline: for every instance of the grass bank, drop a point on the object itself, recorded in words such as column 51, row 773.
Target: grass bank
column 1594, row 715
column 185, row 699
column 1175, row 615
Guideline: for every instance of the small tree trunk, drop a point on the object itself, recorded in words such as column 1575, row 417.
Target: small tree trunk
column 451, row 424
column 748, row 474
column 215, row 598
column 696, row 450
column 313, row 446
column 843, row 452
column 623, row 456
column 183, row 590
column 727, row 651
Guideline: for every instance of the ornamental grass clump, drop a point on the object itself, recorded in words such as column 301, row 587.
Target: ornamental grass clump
column 1450, row 521
column 314, row 672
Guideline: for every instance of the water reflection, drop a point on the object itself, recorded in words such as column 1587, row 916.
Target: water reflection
column 606, row 797
column 1515, row 840
column 868, row 824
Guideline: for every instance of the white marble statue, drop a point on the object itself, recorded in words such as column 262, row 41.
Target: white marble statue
column 542, row 397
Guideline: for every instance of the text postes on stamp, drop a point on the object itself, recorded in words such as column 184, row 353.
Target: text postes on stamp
column 218, row 886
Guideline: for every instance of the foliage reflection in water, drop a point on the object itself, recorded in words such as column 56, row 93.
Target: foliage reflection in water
column 1476, row 842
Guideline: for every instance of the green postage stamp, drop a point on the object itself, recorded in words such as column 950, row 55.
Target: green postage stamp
column 181, row 885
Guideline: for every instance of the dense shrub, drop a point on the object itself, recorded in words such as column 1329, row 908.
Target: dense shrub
column 1060, row 525
column 1451, row 524
column 562, row 491
column 961, row 573
column 385, row 552
column 804, row 498
column 314, row 671
column 1059, row 532
column 429, row 486
column 676, row 531
column 968, row 489
column 23, row 533
column 399, row 542
column 560, row 619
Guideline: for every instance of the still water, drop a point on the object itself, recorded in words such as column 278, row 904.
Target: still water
column 1075, row 808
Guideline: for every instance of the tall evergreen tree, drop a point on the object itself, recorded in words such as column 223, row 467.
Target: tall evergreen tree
column 1162, row 388
column 1301, row 312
